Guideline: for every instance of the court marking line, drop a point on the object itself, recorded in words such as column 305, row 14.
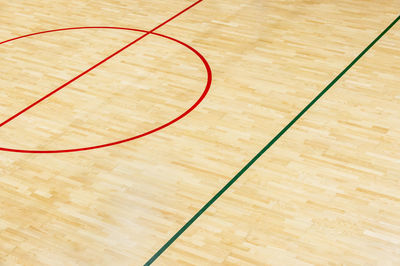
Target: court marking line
column 263, row 150
column 164, row 125
column 96, row 65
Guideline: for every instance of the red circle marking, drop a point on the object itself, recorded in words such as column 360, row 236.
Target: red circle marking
column 203, row 95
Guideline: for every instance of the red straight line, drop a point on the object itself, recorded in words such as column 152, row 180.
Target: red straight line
column 96, row 65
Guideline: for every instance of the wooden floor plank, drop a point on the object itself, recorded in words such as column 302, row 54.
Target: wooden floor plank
column 120, row 204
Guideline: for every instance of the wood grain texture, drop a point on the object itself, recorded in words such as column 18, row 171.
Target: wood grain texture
column 325, row 193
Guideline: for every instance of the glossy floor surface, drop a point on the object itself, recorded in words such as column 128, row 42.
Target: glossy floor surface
column 326, row 193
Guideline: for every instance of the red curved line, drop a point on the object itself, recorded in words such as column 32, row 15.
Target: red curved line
column 203, row 95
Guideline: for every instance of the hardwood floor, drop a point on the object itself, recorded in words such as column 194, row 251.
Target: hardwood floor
column 324, row 193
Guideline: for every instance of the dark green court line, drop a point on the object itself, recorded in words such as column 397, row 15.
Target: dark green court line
column 247, row 166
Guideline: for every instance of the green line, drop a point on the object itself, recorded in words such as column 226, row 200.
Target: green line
column 236, row 177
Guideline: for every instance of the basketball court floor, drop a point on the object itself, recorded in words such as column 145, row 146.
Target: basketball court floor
column 216, row 132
